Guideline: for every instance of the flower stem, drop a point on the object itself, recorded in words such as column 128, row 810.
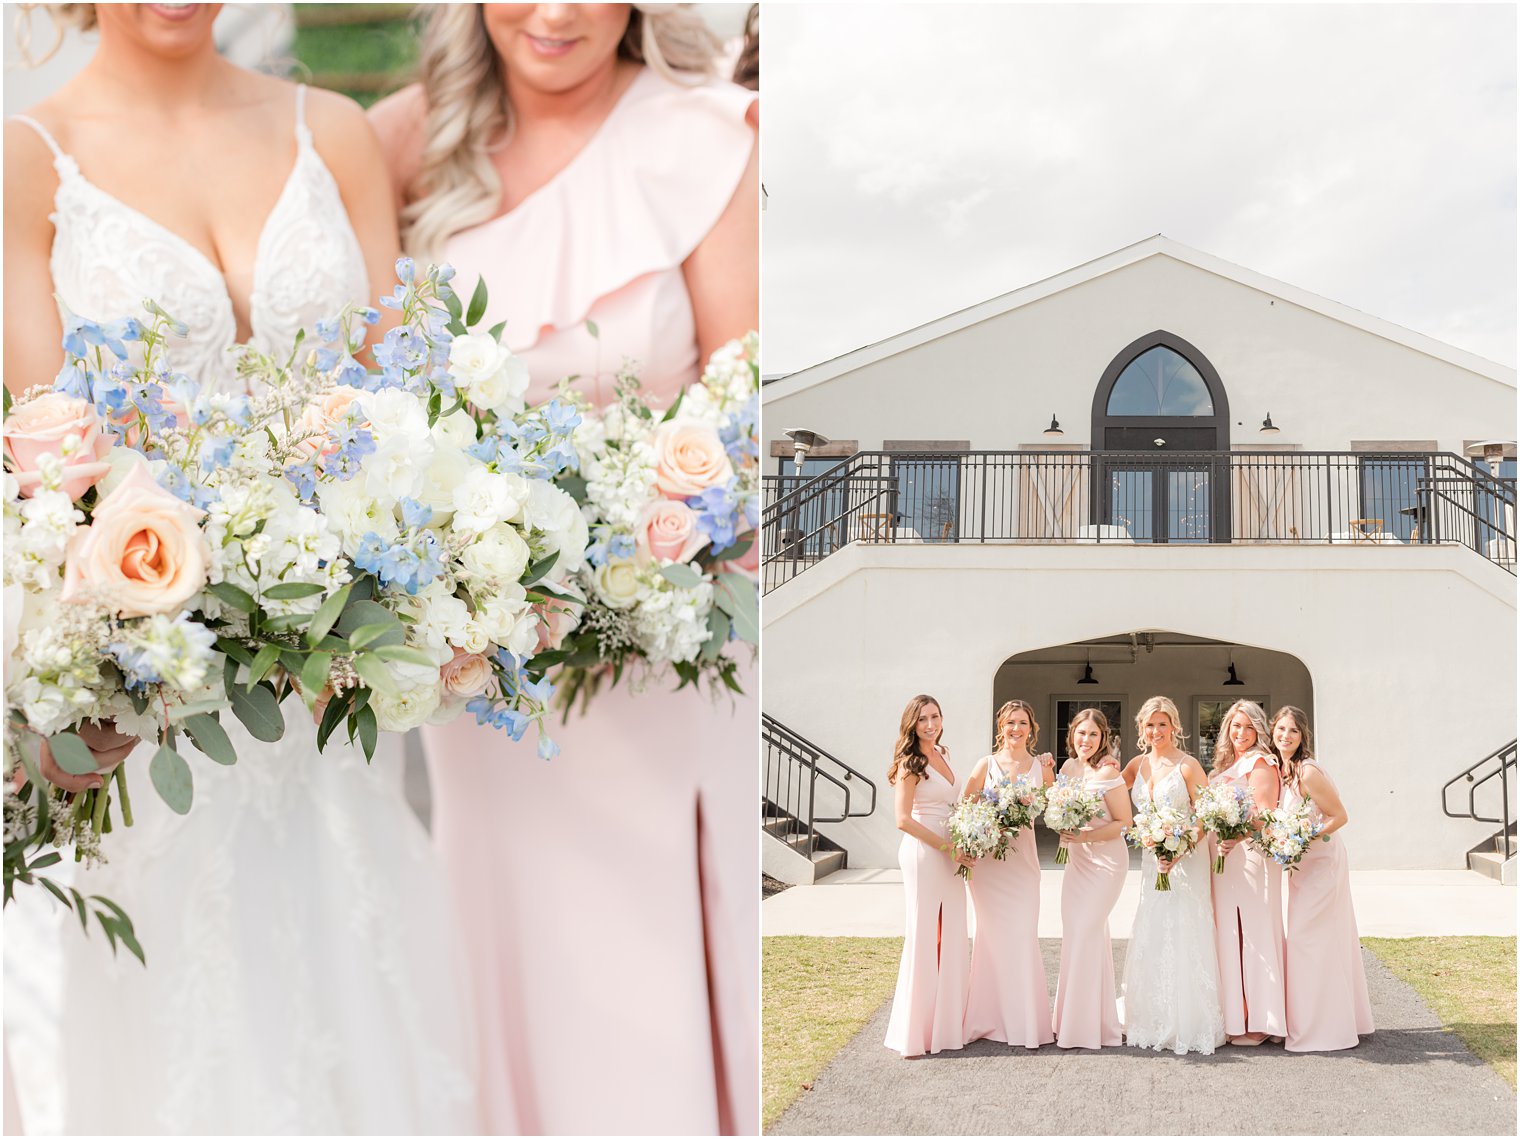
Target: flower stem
column 102, row 806
column 121, row 789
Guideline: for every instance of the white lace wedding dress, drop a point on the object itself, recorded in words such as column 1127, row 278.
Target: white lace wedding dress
column 1171, row 973
column 303, row 974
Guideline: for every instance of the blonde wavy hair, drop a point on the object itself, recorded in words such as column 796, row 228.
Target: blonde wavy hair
column 1224, row 750
column 1008, row 709
column 1150, row 708
column 468, row 115
column 80, row 17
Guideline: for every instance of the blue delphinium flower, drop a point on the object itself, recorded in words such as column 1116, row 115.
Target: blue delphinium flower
column 351, row 373
column 304, row 478
column 414, row 513
column 327, row 330
column 547, row 748
column 216, row 453
column 354, row 444
column 717, row 509
column 562, row 418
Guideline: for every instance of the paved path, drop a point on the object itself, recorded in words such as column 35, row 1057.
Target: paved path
column 1408, row 1078
column 1389, row 903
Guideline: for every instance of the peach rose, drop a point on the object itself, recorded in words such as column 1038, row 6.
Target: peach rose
column 41, row 427
column 468, row 674
column 557, row 619
column 142, row 553
column 689, row 458
column 319, row 418
column 667, row 530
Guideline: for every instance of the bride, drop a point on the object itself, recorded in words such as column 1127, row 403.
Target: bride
column 1171, row 974
column 301, row 967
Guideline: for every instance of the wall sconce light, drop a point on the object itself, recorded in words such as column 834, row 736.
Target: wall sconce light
column 1054, row 430
column 1234, row 681
column 1268, row 427
column 1087, row 673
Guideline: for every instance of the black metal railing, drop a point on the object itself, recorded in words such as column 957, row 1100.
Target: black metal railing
column 1177, row 498
column 806, row 786
column 1495, row 765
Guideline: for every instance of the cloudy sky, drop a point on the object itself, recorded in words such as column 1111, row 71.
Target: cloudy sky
column 922, row 158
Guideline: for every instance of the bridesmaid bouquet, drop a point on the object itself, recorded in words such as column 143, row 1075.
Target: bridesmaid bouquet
column 976, row 829
column 1165, row 832
column 1286, row 834
column 1226, row 809
column 1018, row 803
column 672, row 500
column 1070, row 806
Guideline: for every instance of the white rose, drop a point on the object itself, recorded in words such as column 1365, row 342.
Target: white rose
column 617, row 583
column 409, row 709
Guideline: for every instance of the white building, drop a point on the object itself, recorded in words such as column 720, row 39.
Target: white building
column 1249, row 483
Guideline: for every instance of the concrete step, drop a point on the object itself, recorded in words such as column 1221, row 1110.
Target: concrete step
column 826, row 862
column 1493, row 864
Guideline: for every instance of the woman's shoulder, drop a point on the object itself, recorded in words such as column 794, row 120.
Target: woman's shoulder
column 399, row 121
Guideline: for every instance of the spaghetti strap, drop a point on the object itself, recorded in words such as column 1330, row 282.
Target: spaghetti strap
column 303, row 132
column 58, row 154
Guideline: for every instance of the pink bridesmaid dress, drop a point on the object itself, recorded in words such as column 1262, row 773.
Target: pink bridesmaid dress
column 1086, row 1014
column 931, row 981
column 1328, row 1007
column 608, row 895
column 1248, row 930
column 1008, row 1000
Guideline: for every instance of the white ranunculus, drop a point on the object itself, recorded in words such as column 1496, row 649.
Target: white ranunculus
column 447, row 471
column 409, row 709
column 503, row 390
column 395, row 468
column 496, row 557
column 617, row 583
column 498, row 615
column 396, row 415
column 457, row 430
column 484, row 499
column 557, row 515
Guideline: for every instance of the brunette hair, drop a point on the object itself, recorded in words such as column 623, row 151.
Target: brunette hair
column 1305, row 752
column 747, row 66
column 1108, row 745
column 906, row 757
column 1224, row 750
column 1150, row 708
column 1008, row 709
column 456, row 185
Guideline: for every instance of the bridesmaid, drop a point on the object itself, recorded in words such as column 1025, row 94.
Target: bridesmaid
column 1248, row 895
column 1086, row 1014
column 931, row 983
column 1327, row 991
column 1008, row 999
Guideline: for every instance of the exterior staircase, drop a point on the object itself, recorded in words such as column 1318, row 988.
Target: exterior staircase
column 805, row 786
column 1495, row 772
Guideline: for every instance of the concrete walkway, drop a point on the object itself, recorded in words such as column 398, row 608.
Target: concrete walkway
column 1389, row 903
column 1408, row 1078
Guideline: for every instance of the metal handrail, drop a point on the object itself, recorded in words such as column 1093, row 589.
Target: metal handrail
column 1505, row 756
column 791, row 787
column 1214, row 497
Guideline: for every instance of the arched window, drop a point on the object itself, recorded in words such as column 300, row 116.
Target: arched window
column 1160, row 381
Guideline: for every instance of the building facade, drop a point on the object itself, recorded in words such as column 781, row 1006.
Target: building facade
column 1156, row 473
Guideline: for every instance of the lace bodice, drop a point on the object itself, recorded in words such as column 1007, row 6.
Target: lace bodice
column 108, row 257
column 1171, row 791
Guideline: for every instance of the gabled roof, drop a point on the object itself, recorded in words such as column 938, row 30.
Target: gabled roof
column 1156, row 246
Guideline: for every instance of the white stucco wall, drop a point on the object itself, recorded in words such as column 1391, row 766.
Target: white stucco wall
column 1410, row 650
column 997, row 382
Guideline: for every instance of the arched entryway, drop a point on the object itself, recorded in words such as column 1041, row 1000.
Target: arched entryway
column 1160, row 424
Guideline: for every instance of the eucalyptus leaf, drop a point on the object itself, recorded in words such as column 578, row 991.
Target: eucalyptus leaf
column 292, row 590
column 210, row 738
column 231, row 595
column 373, row 672
column 736, row 596
column 259, row 711
column 327, row 615
column 497, row 329
column 367, row 634
column 681, row 575
column 477, row 304
column 404, row 653
column 539, row 569
column 369, row 732
column 314, row 677
column 718, row 624
column 171, row 778
column 71, row 754
column 267, row 658
column 361, row 613
column 233, row 649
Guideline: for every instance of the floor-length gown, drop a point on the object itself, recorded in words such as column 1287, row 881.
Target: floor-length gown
column 1008, row 999
column 303, row 968
column 929, row 1004
column 1086, row 1014
column 645, row 940
column 1171, row 974
column 1248, row 929
column 1328, row 1007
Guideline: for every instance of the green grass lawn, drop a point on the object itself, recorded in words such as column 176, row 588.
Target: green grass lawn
column 817, row 993
column 1469, row 982
column 820, row 991
column 369, row 55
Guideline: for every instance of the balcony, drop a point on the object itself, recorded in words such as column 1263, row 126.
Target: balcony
column 1135, row 497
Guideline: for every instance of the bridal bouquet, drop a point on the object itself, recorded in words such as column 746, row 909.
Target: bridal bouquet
column 1164, row 831
column 1286, row 834
column 1070, row 806
column 1226, row 809
column 1018, row 803
column 672, row 499
column 976, row 829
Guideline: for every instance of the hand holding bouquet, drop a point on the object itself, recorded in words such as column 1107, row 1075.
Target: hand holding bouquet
column 1164, row 831
column 976, row 829
column 1286, row 834
column 1227, row 810
column 1070, row 806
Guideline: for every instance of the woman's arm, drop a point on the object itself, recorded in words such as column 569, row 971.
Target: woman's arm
column 903, row 805
column 723, row 271
column 1128, row 774
column 976, row 781
column 33, row 332
column 1319, row 788
column 1120, row 814
column 399, row 122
